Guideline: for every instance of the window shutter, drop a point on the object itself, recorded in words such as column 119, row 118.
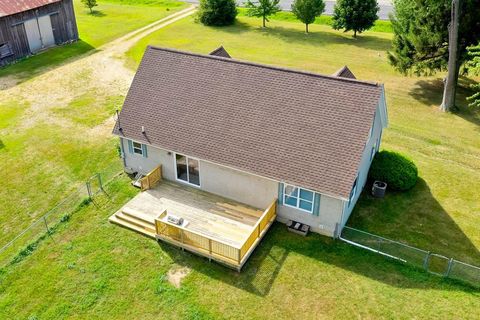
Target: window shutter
column 130, row 146
column 316, row 205
column 144, row 150
column 280, row 193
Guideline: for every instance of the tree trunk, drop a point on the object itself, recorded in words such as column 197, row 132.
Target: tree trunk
column 264, row 21
column 451, row 80
column 354, row 33
column 306, row 27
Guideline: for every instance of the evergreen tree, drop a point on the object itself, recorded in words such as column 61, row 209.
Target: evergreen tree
column 262, row 8
column 307, row 10
column 421, row 37
column 217, row 12
column 474, row 68
column 356, row 15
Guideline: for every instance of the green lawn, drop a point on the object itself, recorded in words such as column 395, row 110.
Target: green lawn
column 50, row 144
column 111, row 19
column 90, row 269
column 441, row 213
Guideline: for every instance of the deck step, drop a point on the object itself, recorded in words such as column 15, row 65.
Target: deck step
column 114, row 219
column 138, row 215
column 150, row 227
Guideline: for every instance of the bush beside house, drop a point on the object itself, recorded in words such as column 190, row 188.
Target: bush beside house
column 399, row 172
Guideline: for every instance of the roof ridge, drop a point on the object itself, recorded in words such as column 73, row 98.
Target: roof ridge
column 267, row 66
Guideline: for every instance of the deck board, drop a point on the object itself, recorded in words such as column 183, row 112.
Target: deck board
column 217, row 217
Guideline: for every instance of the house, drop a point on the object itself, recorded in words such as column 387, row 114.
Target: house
column 28, row 26
column 252, row 133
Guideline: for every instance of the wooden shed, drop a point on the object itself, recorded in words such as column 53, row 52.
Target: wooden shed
column 29, row 26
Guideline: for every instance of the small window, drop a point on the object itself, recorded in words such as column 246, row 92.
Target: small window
column 137, row 148
column 298, row 198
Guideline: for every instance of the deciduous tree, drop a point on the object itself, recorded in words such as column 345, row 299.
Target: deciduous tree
column 262, row 8
column 217, row 12
column 355, row 15
column 90, row 4
column 307, row 10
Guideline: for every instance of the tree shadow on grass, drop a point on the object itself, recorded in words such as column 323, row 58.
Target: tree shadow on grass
column 430, row 93
column 97, row 13
column 320, row 38
column 38, row 64
column 415, row 218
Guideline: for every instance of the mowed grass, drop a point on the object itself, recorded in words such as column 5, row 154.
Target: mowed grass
column 441, row 213
column 46, row 154
column 90, row 269
column 110, row 20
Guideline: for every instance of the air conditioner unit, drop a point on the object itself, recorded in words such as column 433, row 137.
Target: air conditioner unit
column 175, row 220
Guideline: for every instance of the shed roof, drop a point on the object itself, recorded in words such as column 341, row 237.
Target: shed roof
column 292, row 126
column 9, row 7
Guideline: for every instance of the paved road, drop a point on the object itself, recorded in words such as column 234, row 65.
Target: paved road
column 385, row 6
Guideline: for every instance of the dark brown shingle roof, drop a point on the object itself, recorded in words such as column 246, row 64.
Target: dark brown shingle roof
column 297, row 127
column 345, row 72
column 220, row 52
column 9, row 7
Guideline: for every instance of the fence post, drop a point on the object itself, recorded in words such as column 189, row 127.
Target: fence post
column 99, row 177
column 425, row 261
column 89, row 190
column 46, row 224
column 449, row 268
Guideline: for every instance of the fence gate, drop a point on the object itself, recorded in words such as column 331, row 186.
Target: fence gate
column 94, row 185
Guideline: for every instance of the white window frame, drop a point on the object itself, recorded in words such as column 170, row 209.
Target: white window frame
column 297, row 206
column 139, row 149
column 353, row 193
column 188, row 174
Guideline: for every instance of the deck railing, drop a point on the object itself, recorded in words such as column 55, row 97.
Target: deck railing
column 151, row 179
column 219, row 250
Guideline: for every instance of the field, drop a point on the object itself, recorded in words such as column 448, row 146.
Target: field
column 56, row 114
column 89, row 268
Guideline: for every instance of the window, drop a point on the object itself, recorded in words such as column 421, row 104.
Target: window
column 298, row 198
column 188, row 169
column 137, row 148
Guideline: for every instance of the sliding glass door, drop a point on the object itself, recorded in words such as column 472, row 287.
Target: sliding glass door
column 188, row 169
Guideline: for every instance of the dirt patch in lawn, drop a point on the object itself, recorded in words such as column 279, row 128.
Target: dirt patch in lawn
column 176, row 275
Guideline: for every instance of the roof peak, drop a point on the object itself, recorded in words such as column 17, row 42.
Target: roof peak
column 266, row 66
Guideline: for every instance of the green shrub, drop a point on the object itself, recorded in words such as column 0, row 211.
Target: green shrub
column 399, row 172
column 217, row 12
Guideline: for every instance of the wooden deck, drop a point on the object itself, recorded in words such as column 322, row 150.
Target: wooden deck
column 215, row 227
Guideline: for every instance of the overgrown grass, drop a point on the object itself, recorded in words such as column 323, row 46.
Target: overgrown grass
column 92, row 269
column 111, row 19
column 440, row 213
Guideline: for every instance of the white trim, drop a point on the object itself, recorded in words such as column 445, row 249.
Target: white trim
column 233, row 168
column 285, row 185
column 183, row 181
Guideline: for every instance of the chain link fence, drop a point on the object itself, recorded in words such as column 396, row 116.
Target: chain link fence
column 27, row 240
column 431, row 262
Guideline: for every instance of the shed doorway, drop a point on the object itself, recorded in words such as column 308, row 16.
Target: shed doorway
column 39, row 33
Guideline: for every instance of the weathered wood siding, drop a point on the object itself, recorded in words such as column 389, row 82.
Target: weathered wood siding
column 12, row 29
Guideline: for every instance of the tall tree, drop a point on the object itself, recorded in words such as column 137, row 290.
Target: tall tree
column 307, row 10
column 262, row 8
column 421, row 35
column 217, row 12
column 451, row 81
column 356, row 15
column 90, row 4
column 474, row 68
